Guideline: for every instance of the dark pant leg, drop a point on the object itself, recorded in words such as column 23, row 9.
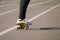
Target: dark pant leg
column 23, row 8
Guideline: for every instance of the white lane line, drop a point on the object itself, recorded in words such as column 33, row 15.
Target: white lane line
column 5, row 5
column 32, row 0
column 8, row 12
column 18, row 9
column 41, row 3
column 12, row 28
column 43, row 13
column 8, row 4
column 11, row 4
column 48, row 1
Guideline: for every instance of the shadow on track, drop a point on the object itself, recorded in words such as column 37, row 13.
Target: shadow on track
column 46, row 28
column 50, row 28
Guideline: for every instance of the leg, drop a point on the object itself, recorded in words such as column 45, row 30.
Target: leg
column 22, row 15
column 23, row 8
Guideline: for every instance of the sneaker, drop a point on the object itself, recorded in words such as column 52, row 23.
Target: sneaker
column 27, row 22
column 23, row 21
column 19, row 21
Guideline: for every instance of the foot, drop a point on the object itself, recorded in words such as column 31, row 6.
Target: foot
column 20, row 24
column 27, row 22
column 23, row 21
column 19, row 21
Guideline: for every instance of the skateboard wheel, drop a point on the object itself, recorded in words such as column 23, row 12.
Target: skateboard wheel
column 26, row 27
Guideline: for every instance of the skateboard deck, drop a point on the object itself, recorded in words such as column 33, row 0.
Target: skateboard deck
column 22, row 26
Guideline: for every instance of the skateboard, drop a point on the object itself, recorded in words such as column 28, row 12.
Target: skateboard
column 22, row 26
